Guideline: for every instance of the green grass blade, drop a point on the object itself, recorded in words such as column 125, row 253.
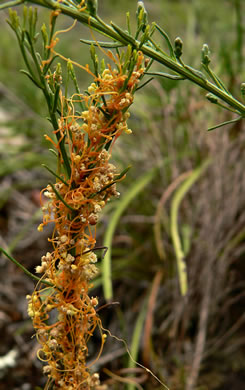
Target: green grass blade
column 135, row 344
column 134, row 190
column 177, row 199
column 28, row 273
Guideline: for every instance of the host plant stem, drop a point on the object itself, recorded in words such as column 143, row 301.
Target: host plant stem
column 100, row 26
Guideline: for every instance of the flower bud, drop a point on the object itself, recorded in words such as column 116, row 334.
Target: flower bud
column 178, row 47
column 92, row 6
column 44, row 34
column 141, row 14
column 243, row 89
column 212, row 98
column 205, row 55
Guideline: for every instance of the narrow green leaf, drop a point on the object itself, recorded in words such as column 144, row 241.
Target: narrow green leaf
column 134, row 190
column 52, row 150
column 55, row 174
column 61, row 199
column 108, row 45
column 166, row 37
column 28, row 273
column 166, row 75
column 31, row 78
column 114, row 181
column 135, row 343
column 196, row 72
column 11, row 4
column 175, row 205
column 145, row 83
column 48, row 65
column 225, row 123
column 215, row 78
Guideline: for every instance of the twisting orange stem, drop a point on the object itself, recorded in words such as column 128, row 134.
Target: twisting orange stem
column 64, row 316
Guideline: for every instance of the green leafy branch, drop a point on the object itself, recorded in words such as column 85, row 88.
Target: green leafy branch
column 38, row 66
column 143, row 41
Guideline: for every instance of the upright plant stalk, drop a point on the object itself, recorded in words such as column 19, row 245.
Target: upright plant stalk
column 86, row 127
column 64, row 315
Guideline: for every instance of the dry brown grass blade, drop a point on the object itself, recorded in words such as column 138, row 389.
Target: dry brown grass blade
column 149, row 317
column 157, row 225
column 117, row 378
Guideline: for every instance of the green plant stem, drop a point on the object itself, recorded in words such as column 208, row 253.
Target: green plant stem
column 123, row 37
column 28, row 273
column 11, row 4
column 58, row 136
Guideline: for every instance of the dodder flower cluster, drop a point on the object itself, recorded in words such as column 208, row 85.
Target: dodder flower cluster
column 64, row 316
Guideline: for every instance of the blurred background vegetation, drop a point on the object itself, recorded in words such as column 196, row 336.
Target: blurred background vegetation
column 194, row 342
